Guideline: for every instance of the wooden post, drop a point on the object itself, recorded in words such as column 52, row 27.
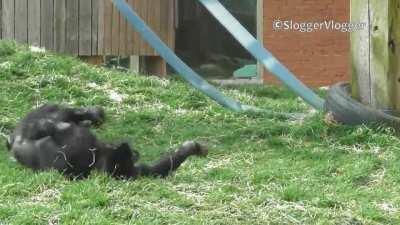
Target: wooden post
column 375, row 53
column 260, row 34
column 134, row 64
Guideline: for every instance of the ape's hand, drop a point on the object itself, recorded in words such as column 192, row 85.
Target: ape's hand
column 199, row 149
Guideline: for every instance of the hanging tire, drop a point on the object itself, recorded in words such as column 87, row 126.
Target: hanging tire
column 347, row 110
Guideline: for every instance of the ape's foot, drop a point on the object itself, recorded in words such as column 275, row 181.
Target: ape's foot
column 198, row 149
column 96, row 115
column 8, row 143
column 86, row 123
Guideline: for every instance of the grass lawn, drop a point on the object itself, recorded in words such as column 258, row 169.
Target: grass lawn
column 261, row 169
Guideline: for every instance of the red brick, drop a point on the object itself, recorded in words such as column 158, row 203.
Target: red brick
column 319, row 58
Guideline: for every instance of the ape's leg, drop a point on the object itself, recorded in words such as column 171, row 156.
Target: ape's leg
column 170, row 163
column 85, row 116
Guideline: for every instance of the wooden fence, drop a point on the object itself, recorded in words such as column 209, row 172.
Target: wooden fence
column 85, row 27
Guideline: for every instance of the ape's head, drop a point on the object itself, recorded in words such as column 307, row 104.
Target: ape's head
column 121, row 161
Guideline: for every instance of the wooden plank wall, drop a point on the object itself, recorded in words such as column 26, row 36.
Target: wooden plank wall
column 85, row 27
column 119, row 38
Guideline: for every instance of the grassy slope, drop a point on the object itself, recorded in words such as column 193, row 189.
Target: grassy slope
column 261, row 170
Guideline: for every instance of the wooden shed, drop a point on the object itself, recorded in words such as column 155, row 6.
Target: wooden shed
column 318, row 58
column 86, row 27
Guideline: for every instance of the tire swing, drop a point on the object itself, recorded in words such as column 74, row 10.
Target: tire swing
column 345, row 109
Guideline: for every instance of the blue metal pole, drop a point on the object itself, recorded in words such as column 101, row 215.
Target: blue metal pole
column 246, row 39
column 165, row 52
column 255, row 48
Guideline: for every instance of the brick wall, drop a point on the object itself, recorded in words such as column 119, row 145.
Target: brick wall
column 318, row 58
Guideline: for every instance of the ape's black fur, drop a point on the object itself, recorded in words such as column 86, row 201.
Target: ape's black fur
column 57, row 137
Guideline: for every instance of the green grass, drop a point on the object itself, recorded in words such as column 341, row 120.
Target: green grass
column 261, row 169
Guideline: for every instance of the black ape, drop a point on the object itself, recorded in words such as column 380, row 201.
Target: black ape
column 57, row 137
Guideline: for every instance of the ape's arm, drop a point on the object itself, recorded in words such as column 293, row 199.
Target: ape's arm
column 171, row 162
column 85, row 116
column 46, row 128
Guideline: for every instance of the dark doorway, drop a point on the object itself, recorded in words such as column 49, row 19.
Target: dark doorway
column 205, row 44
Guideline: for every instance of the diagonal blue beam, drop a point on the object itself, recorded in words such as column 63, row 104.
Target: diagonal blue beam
column 168, row 55
column 254, row 47
column 196, row 81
